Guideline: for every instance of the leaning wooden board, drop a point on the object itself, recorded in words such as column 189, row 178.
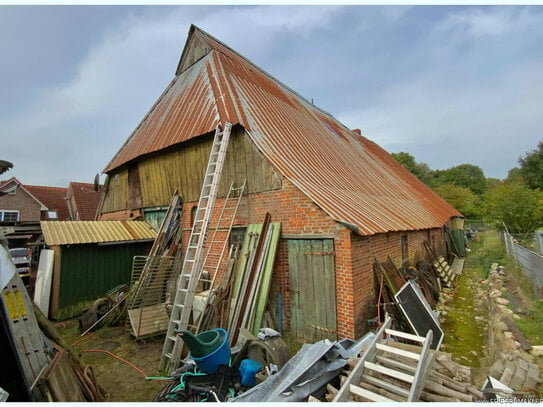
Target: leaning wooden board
column 262, row 295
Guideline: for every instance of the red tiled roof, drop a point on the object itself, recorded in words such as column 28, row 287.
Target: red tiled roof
column 85, row 199
column 53, row 198
column 350, row 177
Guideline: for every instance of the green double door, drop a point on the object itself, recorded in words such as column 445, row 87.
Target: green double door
column 312, row 289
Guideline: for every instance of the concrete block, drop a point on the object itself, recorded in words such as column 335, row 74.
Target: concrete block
column 500, row 326
column 523, row 365
column 507, row 376
column 495, row 293
column 529, row 383
column 502, row 301
column 527, row 357
column 518, row 380
column 496, row 369
column 533, row 372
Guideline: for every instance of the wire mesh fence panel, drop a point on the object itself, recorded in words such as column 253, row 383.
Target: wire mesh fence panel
column 152, row 286
column 530, row 262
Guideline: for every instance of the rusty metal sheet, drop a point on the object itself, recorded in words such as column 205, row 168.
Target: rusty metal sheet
column 58, row 233
column 350, row 177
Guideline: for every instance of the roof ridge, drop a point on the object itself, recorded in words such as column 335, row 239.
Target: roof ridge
column 206, row 34
column 42, row 186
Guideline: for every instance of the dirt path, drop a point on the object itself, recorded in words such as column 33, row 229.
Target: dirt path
column 124, row 383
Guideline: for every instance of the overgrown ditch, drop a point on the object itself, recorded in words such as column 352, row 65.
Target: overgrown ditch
column 464, row 320
column 468, row 319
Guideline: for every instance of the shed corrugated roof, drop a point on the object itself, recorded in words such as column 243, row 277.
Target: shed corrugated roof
column 57, row 233
column 350, row 177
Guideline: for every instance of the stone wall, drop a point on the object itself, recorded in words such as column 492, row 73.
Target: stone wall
column 509, row 362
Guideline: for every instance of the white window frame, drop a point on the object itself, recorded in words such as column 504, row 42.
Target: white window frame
column 3, row 215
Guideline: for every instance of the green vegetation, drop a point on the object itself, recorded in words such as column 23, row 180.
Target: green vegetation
column 462, row 198
column 464, row 322
column 464, row 333
column 486, row 251
column 531, row 167
column 512, row 203
column 530, row 325
column 516, row 201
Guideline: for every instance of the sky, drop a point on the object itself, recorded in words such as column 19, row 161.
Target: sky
column 448, row 84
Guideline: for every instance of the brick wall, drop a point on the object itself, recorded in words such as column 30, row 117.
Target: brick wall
column 354, row 254
column 365, row 249
column 29, row 209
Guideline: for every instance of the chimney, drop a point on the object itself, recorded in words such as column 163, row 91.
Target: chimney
column 357, row 131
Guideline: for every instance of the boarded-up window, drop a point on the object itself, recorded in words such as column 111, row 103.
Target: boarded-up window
column 405, row 247
column 134, row 189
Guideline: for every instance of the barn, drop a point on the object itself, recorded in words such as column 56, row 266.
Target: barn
column 342, row 200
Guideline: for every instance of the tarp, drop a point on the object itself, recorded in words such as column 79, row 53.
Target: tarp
column 306, row 372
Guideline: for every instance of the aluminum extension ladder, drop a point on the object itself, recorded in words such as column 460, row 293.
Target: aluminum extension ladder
column 386, row 369
column 23, row 331
column 191, row 271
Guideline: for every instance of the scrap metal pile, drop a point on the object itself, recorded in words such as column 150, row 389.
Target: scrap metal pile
column 421, row 284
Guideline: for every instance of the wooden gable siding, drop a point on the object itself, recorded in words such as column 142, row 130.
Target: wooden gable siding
column 116, row 192
column 183, row 168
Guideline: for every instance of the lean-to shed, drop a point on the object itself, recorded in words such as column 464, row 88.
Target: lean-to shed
column 91, row 258
column 341, row 199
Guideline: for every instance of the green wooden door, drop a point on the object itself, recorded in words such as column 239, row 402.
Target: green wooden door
column 312, row 289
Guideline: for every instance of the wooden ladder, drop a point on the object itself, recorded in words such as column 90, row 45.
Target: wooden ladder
column 191, row 271
column 388, row 372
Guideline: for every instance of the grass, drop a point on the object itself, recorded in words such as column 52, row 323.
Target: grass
column 530, row 325
column 485, row 252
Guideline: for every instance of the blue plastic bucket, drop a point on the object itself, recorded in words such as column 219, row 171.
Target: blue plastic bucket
column 220, row 356
column 247, row 370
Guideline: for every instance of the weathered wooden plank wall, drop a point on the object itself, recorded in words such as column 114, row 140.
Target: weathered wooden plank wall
column 183, row 168
column 312, row 288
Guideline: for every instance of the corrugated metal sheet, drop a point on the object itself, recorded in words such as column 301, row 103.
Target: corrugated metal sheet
column 351, row 178
column 79, row 232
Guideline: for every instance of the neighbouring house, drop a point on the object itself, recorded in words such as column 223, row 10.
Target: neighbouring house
column 341, row 199
column 83, row 200
column 31, row 203
column 22, row 207
column 91, row 258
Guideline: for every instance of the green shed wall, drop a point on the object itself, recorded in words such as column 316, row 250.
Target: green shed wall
column 88, row 271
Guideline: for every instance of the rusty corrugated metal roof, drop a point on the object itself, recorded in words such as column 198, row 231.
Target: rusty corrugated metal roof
column 350, row 177
column 58, row 233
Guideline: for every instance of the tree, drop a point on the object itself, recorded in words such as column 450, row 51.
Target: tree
column 420, row 170
column 463, row 175
column 516, row 205
column 531, row 167
column 515, row 175
column 461, row 198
